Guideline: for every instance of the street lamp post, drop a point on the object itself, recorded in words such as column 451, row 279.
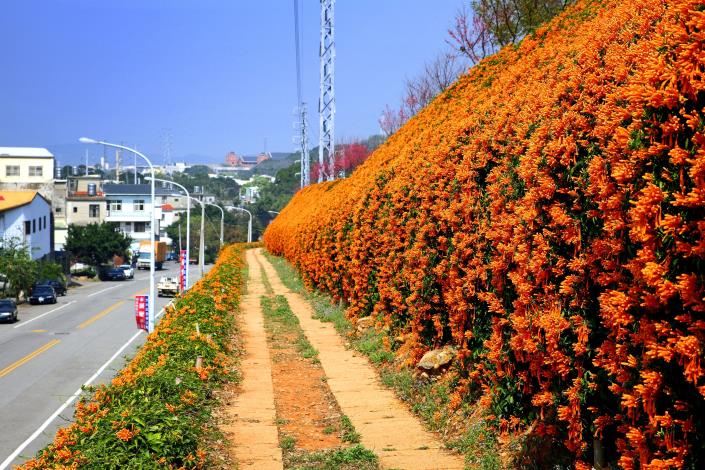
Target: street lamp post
column 150, row 305
column 249, row 225
column 222, row 222
column 202, row 249
column 188, row 225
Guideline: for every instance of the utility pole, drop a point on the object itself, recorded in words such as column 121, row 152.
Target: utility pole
column 202, row 250
column 326, row 101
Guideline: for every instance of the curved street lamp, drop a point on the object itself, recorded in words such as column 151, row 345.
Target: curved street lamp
column 249, row 225
column 222, row 221
column 188, row 224
column 150, row 308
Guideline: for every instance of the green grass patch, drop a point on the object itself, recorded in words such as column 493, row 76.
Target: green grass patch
column 348, row 433
column 280, row 320
column 287, row 442
column 265, row 281
column 351, row 458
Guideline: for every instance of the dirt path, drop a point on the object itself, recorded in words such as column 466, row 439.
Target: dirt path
column 253, row 428
column 386, row 426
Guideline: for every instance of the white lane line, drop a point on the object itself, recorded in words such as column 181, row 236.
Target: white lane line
column 43, row 314
column 101, row 291
column 6, row 463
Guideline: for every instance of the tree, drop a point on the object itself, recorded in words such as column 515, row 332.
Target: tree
column 436, row 76
column 492, row 24
column 96, row 244
column 17, row 266
column 235, row 230
column 348, row 156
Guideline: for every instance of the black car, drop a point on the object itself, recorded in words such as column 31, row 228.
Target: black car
column 8, row 310
column 58, row 286
column 42, row 295
column 115, row 274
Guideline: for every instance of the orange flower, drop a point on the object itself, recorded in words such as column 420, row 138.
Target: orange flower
column 124, row 434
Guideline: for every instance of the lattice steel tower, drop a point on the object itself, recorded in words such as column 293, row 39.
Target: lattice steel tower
column 326, row 101
column 302, row 123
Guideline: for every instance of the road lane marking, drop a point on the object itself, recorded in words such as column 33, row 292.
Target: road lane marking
column 28, row 357
column 100, row 315
column 45, row 313
column 143, row 291
column 103, row 290
column 6, row 463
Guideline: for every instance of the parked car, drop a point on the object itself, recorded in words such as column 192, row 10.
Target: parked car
column 115, row 274
column 8, row 310
column 129, row 272
column 42, row 294
column 58, row 286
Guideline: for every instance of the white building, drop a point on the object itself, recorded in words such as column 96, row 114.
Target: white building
column 27, row 169
column 26, row 165
column 25, row 219
column 129, row 206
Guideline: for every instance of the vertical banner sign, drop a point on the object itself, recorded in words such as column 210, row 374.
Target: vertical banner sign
column 141, row 312
column 183, row 282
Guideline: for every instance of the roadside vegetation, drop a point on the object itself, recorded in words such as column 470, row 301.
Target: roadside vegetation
column 542, row 218
column 156, row 412
column 19, row 272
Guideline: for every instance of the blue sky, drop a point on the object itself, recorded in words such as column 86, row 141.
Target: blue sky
column 220, row 75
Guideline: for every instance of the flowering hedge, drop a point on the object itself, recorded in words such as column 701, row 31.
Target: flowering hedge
column 546, row 215
column 153, row 413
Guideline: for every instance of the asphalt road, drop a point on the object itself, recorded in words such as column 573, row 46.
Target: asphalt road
column 54, row 349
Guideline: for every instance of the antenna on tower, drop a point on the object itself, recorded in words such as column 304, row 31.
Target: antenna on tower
column 302, row 123
column 326, row 101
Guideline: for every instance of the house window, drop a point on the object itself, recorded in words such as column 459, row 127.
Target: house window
column 115, row 205
column 27, row 227
column 12, row 170
column 75, row 209
column 45, row 221
column 140, row 227
column 35, row 171
column 128, row 226
column 139, row 204
column 94, row 210
column 58, row 210
column 34, row 225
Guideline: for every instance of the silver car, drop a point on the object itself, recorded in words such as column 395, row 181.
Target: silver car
column 129, row 272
